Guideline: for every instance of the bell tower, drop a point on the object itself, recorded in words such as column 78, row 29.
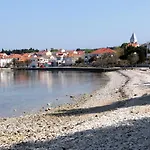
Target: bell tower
column 133, row 38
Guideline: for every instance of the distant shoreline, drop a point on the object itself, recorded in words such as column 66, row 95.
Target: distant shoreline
column 93, row 69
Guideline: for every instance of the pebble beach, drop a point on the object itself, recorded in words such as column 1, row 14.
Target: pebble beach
column 115, row 117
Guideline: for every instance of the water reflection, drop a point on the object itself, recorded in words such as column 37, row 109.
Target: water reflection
column 30, row 90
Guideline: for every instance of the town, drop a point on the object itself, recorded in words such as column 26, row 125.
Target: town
column 131, row 53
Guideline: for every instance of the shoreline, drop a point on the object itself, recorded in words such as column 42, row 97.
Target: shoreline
column 97, row 110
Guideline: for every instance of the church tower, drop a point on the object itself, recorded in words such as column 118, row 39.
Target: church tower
column 133, row 38
column 133, row 41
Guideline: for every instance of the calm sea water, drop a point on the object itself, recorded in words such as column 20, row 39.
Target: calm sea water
column 29, row 91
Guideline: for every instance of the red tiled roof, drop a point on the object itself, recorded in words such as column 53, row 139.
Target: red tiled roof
column 133, row 44
column 75, row 53
column 42, row 52
column 23, row 59
column 103, row 50
column 14, row 56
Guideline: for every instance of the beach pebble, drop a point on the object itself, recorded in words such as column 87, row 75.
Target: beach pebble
column 48, row 104
column 71, row 96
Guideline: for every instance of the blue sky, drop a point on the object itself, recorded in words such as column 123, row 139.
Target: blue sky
column 72, row 24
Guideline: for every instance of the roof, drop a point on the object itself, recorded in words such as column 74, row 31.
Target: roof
column 74, row 53
column 133, row 44
column 15, row 55
column 103, row 50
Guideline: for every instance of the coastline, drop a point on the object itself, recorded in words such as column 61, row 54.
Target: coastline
column 88, row 69
column 111, row 106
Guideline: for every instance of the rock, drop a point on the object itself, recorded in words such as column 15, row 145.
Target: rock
column 131, row 111
column 144, row 95
column 71, row 96
column 48, row 104
column 47, row 109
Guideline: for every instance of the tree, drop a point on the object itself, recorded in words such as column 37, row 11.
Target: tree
column 2, row 51
column 78, row 49
column 54, row 50
column 93, row 58
column 119, row 51
column 27, row 62
column 15, row 62
column 19, row 51
column 124, row 45
column 88, row 50
column 80, row 60
column 133, row 58
column 106, row 60
column 141, row 51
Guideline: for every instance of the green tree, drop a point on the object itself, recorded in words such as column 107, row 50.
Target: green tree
column 133, row 58
column 15, row 62
column 54, row 50
column 119, row 51
column 27, row 62
column 2, row 51
column 80, row 60
column 124, row 45
column 141, row 51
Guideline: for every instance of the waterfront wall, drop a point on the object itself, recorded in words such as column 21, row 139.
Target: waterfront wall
column 92, row 69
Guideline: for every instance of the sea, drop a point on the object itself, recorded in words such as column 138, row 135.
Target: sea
column 26, row 92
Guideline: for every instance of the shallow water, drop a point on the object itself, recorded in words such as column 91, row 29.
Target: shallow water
column 29, row 91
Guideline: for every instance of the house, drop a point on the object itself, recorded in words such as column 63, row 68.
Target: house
column 99, row 52
column 25, row 58
column 75, row 55
column 147, row 45
column 43, row 59
column 34, row 61
column 5, row 59
column 21, row 59
column 68, row 61
column 3, row 55
column 15, row 56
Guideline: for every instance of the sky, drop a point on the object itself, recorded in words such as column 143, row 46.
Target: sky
column 72, row 24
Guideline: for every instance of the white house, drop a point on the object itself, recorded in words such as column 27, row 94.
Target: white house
column 147, row 45
column 67, row 61
column 4, row 59
column 34, row 61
